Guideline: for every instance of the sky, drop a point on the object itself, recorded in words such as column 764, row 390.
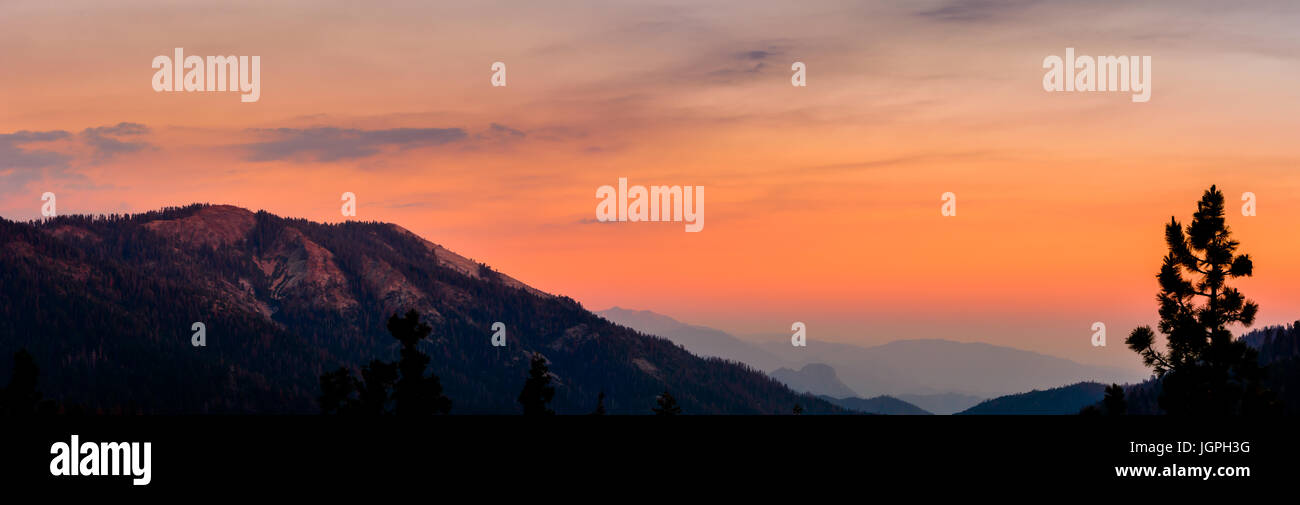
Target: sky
column 822, row 202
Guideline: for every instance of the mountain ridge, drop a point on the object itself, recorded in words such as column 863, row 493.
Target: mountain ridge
column 106, row 305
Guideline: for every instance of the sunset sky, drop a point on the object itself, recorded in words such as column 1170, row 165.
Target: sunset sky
column 822, row 202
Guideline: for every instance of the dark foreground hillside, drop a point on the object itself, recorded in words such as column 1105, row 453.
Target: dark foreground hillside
column 1056, row 401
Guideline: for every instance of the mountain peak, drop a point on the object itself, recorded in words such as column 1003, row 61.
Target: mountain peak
column 212, row 225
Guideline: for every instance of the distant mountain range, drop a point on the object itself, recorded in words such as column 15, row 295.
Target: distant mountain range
column 932, row 366
column 941, row 376
column 700, row 340
column 107, row 307
column 1065, row 400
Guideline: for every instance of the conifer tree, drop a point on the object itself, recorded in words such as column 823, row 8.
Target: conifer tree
column 537, row 392
column 1202, row 369
column 414, row 393
column 388, row 387
column 1114, row 400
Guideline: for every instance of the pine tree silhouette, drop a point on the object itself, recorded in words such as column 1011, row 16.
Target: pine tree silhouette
column 600, row 405
column 537, row 390
column 1203, row 369
column 1114, row 401
column 667, row 405
column 798, row 409
column 412, row 392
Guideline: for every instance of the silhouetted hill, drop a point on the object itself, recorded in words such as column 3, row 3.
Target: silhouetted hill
column 106, row 306
column 942, row 403
column 1056, row 401
column 1275, row 343
column 815, row 378
column 879, row 405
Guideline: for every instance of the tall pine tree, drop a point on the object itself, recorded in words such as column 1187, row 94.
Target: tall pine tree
column 1202, row 369
column 414, row 393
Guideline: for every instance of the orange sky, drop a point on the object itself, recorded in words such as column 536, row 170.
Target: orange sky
column 822, row 202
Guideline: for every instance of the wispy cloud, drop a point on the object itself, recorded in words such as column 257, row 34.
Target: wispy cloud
column 326, row 144
column 107, row 141
column 500, row 132
column 975, row 11
column 14, row 156
column 756, row 55
column 740, row 66
column 21, row 163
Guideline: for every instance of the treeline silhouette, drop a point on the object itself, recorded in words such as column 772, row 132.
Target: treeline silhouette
column 403, row 388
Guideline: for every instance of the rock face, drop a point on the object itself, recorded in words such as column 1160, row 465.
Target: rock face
column 393, row 291
column 302, row 271
column 106, row 306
